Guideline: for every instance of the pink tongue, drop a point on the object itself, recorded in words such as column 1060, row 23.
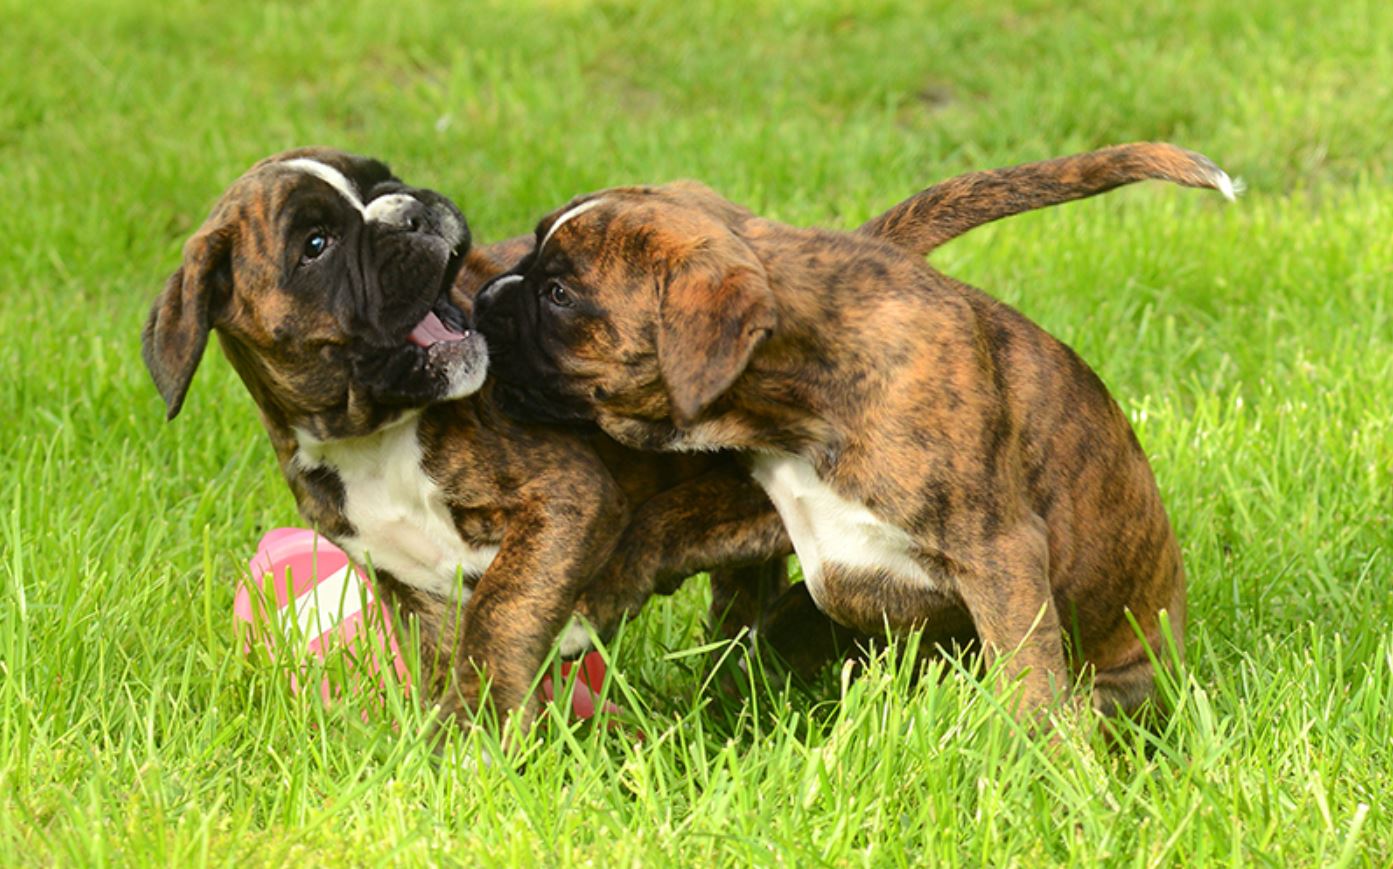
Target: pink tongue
column 431, row 331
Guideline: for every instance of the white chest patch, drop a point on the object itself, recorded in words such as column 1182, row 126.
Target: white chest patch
column 399, row 513
column 829, row 530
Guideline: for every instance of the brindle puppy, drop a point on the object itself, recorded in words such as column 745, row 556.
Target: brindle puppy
column 329, row 284
column 939, row 461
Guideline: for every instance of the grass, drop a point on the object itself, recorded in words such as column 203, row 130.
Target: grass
column 1251, row 344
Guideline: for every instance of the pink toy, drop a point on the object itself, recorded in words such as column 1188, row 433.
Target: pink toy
column 343, row 607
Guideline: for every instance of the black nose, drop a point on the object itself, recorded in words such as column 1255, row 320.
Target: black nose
column 490, row 309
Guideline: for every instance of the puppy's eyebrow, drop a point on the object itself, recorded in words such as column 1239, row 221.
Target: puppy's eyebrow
column 561, row 221
column 331, row 176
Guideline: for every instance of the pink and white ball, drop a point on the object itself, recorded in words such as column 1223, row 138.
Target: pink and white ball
column 323, row 600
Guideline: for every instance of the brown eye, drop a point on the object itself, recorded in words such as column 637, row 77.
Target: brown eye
column 315, row 245
column 558, row 295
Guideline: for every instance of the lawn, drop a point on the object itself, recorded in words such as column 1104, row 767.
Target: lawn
column 1251, row 344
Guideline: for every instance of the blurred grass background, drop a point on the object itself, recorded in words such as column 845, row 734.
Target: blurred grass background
column 1251, row 344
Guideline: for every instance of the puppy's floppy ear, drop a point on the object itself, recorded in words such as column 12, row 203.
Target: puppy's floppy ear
column 176, row 332
column 715, row 311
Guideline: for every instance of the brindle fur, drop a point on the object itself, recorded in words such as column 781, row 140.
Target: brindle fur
column 686, row 322
column 742, row 589
column 545, row 496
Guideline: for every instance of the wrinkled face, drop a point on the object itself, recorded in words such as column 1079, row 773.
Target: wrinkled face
column 637, row 309
column 326, row 279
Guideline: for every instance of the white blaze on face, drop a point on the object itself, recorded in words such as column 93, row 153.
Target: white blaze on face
column 561, row 221
column 393, row 209
column 506, row 280
column 331, row 176
column 495, row 286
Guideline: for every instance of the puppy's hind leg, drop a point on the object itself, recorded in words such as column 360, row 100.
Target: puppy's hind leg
column 1123, row 690
column 1126, row 682
column 1008, row 594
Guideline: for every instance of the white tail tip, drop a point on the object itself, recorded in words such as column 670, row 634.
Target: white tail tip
column 1231, row 188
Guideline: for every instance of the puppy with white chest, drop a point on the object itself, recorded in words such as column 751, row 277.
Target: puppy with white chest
column 939, row 461
column 328, row 282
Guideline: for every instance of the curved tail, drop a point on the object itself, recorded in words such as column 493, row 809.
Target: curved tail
column 950, row 208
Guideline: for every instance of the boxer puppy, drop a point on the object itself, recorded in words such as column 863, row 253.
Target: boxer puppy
column 939, row 461
column 327, row 282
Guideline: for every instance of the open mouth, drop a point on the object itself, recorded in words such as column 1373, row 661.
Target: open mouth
column 445, row 323
column 433, row 330
column 438, row 359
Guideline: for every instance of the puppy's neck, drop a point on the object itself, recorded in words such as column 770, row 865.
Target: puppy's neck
column 318, row 489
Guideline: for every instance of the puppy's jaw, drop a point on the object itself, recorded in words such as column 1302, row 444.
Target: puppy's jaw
column 464, row 363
